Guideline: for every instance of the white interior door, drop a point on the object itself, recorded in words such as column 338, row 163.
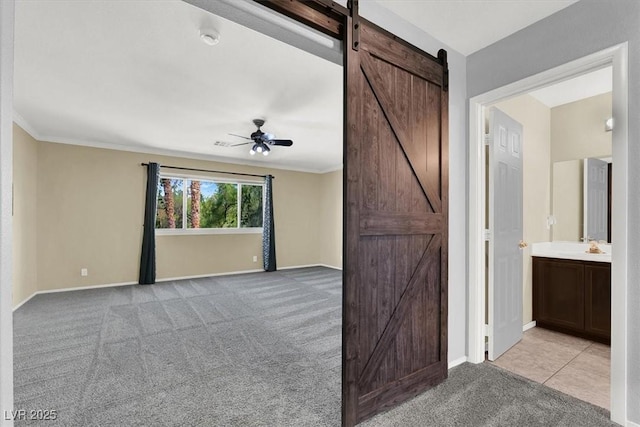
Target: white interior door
column 505, row 227
column 595, row 199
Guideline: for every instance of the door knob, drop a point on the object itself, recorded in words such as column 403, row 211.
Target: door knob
column 522, row 244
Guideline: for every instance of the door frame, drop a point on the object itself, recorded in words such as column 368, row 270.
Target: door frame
column 616, row 57
column 6, row 199
column 325, row 16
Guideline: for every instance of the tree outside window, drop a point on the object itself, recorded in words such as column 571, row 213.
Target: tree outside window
column 208, row 204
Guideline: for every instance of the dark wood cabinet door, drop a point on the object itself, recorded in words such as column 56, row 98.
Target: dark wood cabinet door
column 597, row 283
column 559, row 293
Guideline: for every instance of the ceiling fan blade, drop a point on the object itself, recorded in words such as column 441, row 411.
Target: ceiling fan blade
column 239, row 136
column 282, row 142
column 244, row 143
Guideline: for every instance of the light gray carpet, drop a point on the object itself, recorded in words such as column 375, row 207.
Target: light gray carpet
column 486, row 395
column 247, row 350
column 253, row 349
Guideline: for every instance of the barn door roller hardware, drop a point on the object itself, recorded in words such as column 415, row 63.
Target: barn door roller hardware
column 355, row 24
column 442, row 58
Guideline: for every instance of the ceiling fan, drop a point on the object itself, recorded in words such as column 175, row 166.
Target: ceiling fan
column 262, row 140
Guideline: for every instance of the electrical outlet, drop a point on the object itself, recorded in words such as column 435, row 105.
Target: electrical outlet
column 255, row 258
column 84, row 272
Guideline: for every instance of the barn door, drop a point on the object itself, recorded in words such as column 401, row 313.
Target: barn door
column 395, row 258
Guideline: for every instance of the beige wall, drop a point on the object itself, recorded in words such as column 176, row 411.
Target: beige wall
column 535, row 118
column 90, row 211
column 331, row 219
column 90, row 216
column 98, row 225
column 577, row 129
column 25, row 165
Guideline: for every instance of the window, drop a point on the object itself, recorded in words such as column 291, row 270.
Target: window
column 189, row 204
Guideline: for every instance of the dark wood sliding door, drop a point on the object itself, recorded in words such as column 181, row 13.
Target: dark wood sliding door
column 395, row 211
column 396, row 188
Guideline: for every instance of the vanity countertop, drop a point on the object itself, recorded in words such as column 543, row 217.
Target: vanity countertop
column 571, row 250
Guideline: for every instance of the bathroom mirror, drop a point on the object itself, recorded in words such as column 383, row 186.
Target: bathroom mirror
column 581, row 199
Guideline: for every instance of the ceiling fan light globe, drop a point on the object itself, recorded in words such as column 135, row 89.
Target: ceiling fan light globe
column 262, row 141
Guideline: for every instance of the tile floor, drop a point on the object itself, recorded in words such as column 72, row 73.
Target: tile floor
column 575, row 366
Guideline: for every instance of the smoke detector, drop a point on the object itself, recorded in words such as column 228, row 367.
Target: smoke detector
column 209, row 37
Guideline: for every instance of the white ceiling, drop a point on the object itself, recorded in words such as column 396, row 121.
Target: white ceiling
column 470, row 25
column 584, row 86
column 134, row 75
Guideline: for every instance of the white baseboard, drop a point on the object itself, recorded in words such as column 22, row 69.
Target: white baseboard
column 292, row 267
column 229, row 273
column 200, row 276
column 78, row 288
column 330, row 266
column 632, row 424
column 457, row 362
column 164, row 279
column 112, row 285
column 20, row 304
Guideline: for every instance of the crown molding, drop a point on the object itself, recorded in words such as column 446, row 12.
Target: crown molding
column 332, row 169
column 26, row 126
column 31, row 130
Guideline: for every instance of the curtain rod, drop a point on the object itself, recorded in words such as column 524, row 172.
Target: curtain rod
column 211, row 171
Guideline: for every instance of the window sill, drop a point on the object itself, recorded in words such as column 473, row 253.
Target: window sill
column 205, row 231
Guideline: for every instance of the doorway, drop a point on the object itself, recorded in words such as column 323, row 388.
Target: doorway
column 424, row 224
column 616, row 58
column 563, row 125
column 290, row 183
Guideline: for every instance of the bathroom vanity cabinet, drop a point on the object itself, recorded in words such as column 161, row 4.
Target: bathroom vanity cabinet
column 573, row 297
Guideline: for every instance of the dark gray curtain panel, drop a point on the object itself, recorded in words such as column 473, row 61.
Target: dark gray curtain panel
column 268, row 229
column 148, row 256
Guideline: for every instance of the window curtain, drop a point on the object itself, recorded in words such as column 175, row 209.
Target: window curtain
column 148, row 256
column 268, row 229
